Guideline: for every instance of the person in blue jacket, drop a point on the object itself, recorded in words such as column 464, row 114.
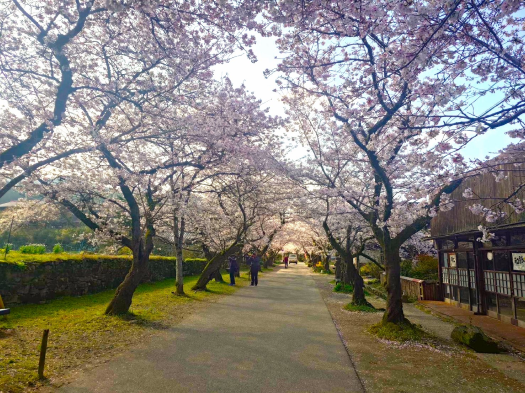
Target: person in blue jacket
column 234, row 268
column 254, row 268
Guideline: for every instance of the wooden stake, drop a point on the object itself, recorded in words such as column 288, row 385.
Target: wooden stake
column 43, row 350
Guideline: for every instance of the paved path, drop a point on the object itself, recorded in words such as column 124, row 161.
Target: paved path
column 276, row 337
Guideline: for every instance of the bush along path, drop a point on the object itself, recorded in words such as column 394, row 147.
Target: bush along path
column 415, row 358
column 80, row 333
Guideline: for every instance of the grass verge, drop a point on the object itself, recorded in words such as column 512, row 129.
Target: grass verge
column 344, row 288
column 81, row 334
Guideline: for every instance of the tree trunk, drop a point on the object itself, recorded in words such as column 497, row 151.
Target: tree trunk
column 358, row 297
column 394, row 305
column 179, row 240
column 121, row 302
column 217, row 275
column 338, row 269
column 214, row 265
column 346, row 277
column 352, row 276
column 327, row 263
column 265, row 263
column 179, row 273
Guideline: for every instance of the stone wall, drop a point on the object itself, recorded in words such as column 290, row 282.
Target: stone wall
column 34, row 282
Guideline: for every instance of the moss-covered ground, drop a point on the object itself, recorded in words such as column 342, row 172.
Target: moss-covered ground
column 361, row 308
column 400, row 332
column 81, row 334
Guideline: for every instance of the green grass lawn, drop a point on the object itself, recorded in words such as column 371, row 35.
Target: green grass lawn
column 81, row 334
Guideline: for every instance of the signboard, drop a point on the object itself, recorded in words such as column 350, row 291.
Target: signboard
column 518, row 261
column 452, row 260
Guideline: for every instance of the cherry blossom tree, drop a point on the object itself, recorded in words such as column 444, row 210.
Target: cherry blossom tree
column 400, row 79
column 124, row 188
column 67, row 67
column 237, row 131
column 228, row 212
column 109, row 79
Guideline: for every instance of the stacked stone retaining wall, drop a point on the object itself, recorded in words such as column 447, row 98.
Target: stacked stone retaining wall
column 33, row 282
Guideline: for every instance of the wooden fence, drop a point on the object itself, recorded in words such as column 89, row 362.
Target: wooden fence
column 418, row 289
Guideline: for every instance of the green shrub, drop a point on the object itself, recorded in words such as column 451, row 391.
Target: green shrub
column 8, row 246
column 346, row 288
column 426, row 268
column 33, row 249
column 58, row 249
column 406, row 268
column 370, row 269
column 124, row 251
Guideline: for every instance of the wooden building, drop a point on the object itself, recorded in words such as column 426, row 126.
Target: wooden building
column 484, row 277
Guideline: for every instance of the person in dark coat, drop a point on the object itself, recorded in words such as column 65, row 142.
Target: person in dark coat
column 254, row 268
column 234, row 268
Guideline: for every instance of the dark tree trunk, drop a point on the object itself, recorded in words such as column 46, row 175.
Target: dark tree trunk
column 213, row 266
column 346, row 274
column 352, row 276
column 327, row 263
column 358, row 297
column 394, row 307
column 121, row 302
column 217, row 275
column 338, row 269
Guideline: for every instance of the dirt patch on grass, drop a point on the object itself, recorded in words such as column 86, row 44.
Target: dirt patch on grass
column 431, row 365
column 81, row 336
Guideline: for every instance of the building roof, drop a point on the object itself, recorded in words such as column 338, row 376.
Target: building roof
column 477, row 231
column 489, row 192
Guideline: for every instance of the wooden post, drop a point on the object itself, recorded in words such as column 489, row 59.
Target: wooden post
column 2, row 305
column 43, row 350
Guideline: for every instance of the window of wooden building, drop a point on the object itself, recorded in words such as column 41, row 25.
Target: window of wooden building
column 517, row 239
column 498, row 241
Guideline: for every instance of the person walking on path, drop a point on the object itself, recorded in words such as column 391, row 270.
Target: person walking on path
column 254, row 268
column 234, row 267
column 286, row 262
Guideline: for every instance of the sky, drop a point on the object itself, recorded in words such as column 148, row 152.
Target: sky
column 241, row 70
